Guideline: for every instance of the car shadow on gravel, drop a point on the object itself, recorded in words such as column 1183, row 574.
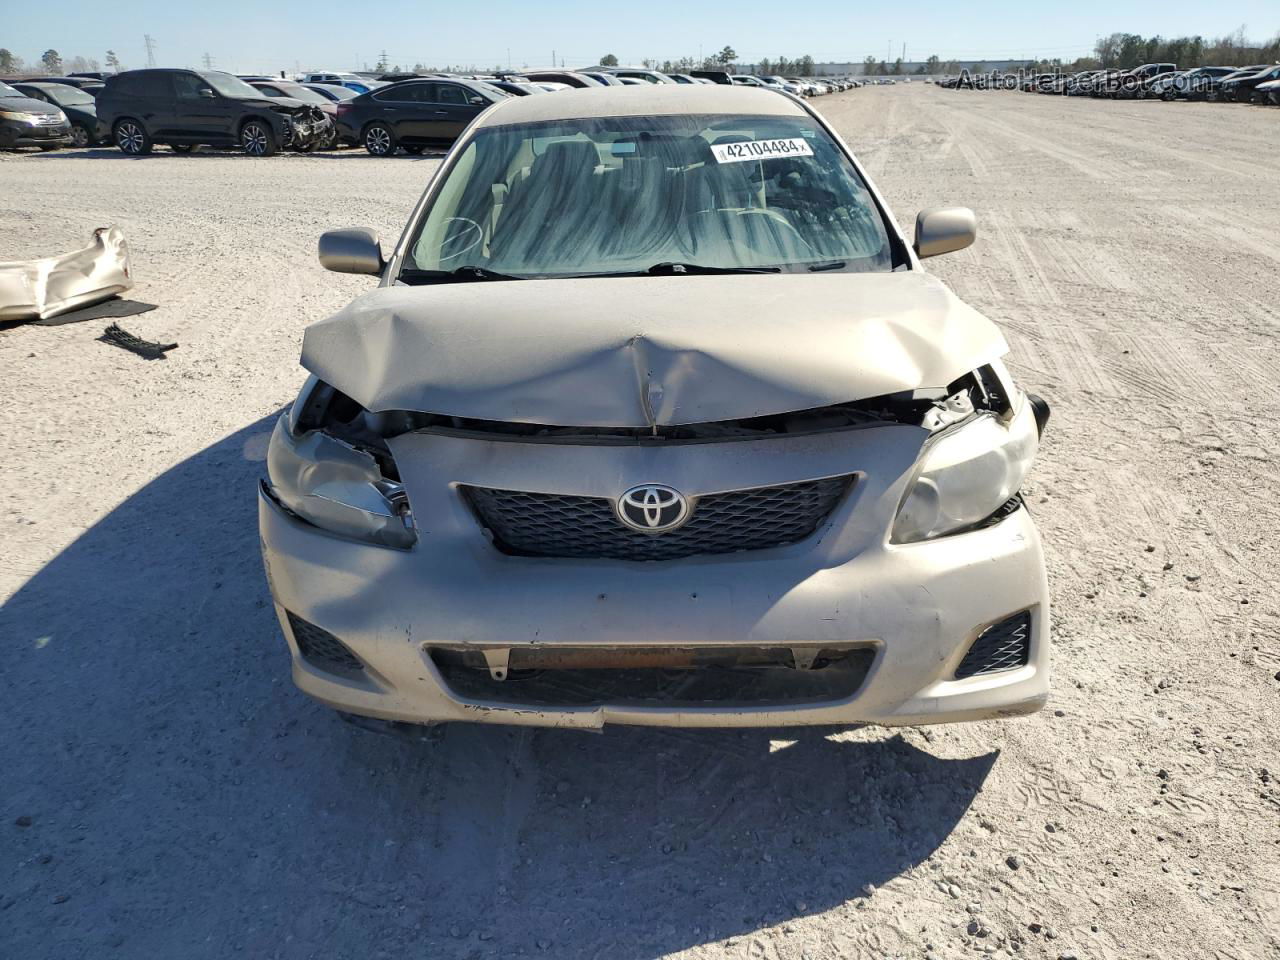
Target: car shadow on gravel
column 168, row 793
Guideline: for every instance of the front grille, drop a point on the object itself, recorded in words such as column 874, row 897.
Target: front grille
column 703, row 677
column 555, row 525
column 1004, row 646
column 48, row 119
column 322, row 649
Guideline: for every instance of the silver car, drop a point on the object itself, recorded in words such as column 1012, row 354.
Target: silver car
column 655, row 417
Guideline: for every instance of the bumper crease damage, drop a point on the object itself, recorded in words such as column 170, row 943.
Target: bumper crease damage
column 51, row 286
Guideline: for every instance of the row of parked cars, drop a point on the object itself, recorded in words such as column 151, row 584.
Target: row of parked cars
column 184, row 109
column 1258, row 83
column 526, row 81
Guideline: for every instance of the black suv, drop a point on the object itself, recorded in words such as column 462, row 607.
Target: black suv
column 184, row 108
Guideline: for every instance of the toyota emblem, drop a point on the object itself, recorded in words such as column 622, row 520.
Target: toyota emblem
column 653, row 508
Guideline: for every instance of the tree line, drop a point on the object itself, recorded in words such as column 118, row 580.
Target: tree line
column 52, row 63
column 1124, row 51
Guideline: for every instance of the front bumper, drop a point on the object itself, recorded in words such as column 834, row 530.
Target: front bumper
column 16, row 134
column 917, row 606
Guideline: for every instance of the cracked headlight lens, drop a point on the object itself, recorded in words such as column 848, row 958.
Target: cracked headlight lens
column 338, row 488
column 966, row 473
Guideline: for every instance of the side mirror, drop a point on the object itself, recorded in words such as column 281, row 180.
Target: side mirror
column 942, row 230
column 206, row 93
column 478, row 101
column 354, row 250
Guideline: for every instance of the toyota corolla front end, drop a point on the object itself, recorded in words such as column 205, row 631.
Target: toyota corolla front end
column 655, row 419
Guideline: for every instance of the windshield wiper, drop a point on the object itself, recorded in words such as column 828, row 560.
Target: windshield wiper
column 458, row 275
column 669, row 268
column 829, row 265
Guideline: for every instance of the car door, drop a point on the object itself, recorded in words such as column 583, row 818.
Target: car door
column 455, row 107
column 202, row 114
column 401, row 107
column 145, row 95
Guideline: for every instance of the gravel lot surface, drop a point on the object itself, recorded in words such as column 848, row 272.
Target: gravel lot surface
column 165, row 792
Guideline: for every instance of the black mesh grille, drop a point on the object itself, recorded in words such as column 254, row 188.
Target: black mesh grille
column 322, row 649
column 553, row 525
column 709, row 677
column 1003, row 646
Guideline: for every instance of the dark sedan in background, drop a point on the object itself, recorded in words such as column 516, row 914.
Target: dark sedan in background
column 79, row 106
column 87, row 84
column 414, row 114
column 25, row 122
column 1217, row 87
column 1197, row 83
column 1240, row 87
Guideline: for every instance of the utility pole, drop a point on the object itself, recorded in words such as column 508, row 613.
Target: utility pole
column 151, row 49
column 553, row 58
column 208, row 61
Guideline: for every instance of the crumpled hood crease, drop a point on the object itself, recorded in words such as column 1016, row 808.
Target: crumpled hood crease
column 645, row 351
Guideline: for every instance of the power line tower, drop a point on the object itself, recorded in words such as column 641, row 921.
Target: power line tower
column 208, row 61
column 151, row 49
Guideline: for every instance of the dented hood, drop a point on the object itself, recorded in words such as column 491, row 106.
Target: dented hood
column 638, row 351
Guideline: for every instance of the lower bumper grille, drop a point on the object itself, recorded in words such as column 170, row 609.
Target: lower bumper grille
column 1003, row 646
column 322, row 649
column 553, row 525
column 656, row 676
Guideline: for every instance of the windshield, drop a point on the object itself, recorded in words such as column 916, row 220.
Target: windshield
column 230, row 86
column 297, row 91
column 495, row 93
column 626, row 194
column 336, row 93
column 8, row 91
column 67, row 96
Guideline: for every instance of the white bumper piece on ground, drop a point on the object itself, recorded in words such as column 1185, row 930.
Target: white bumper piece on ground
column 48, row 287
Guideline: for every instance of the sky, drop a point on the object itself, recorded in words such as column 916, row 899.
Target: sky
column 257, row 36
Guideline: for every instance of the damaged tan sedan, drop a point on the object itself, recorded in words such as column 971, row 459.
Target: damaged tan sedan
column 655, row 418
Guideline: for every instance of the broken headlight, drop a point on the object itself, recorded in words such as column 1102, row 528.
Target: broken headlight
column 338, row 487
column 967, row 472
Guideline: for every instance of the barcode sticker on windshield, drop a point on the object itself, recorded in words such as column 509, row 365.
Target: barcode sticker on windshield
column 761, row 150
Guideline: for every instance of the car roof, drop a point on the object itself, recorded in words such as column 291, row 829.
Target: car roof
column 666, row 100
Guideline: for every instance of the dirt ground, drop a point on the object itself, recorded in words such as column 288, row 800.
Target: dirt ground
column 165, row 792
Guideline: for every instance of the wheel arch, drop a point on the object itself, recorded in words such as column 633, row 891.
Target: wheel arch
column 261, row 118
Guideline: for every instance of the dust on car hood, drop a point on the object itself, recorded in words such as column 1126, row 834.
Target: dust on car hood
column 28, row 105
column 642, row 351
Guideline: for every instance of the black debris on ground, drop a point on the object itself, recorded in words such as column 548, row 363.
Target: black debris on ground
column 120, row 337
column 115, row 307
